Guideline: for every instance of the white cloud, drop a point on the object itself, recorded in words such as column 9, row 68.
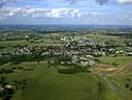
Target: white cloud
column 54, row 13
column 124, row 1
column 63, row 12
column 41, row 12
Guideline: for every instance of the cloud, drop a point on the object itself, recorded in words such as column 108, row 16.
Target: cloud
column 2, row 2
column 124, row 1
column 74, row 1
column 41, row 12
column 63, row 12
column 100, row 2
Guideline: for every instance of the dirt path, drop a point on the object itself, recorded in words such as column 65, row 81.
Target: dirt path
column 109, row 70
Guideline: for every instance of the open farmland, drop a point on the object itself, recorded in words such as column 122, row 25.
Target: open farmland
column 65, row 65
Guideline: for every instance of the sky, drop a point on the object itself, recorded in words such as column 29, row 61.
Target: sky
column 86, row 12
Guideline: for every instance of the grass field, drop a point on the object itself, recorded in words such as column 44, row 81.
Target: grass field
column 122, row 60
column 11, row 45
column 45, row 83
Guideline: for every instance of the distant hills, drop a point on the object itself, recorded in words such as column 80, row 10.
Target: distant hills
column 61, row 28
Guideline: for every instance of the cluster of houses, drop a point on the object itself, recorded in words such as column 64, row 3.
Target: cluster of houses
column 94, row 47
column 85, row 60
column 75, row 48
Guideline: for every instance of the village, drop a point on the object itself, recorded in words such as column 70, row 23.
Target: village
column 69, row 55
column 74, row 48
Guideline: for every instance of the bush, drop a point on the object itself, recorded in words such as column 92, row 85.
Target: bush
column 9, row 71
column 127, row 85
column 115, row 64
column 68, row 71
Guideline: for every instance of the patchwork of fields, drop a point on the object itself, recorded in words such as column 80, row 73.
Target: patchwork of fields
column 69, row 66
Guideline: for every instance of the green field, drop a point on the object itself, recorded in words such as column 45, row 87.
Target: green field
column 122, row 60
column 45, row 83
